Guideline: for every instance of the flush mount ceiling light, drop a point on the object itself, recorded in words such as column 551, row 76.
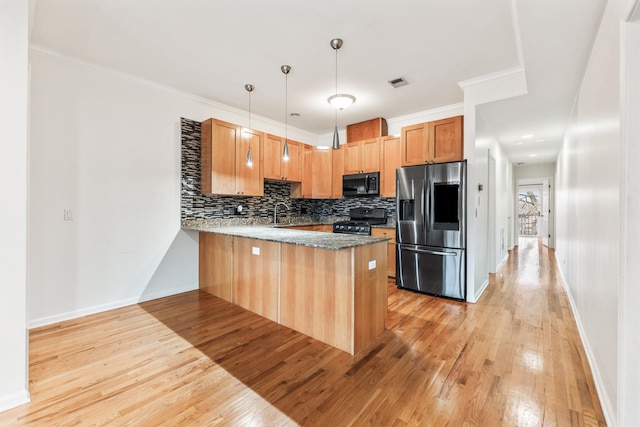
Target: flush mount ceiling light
column 339, row 101
column 249, row 88
column 285, row 151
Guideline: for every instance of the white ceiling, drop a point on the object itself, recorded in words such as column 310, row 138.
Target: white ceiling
column 212, row 48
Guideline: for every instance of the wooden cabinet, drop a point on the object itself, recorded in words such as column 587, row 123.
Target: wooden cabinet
column 391, row 154
column 338, row 171
column 391, row 247
column 274, row 166
column 433, row 142
column 216, row 265
column 368, row 129
column 256, row 276
column 317, row 171
column 362, row 156
column 223, row 159
column 321, row 173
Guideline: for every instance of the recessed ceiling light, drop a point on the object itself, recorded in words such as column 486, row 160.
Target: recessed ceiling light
column 520, row 163
column 295, row 114
column 532, row 155
column 526, row 136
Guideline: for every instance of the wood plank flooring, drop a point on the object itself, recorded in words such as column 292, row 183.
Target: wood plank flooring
column 513, row 359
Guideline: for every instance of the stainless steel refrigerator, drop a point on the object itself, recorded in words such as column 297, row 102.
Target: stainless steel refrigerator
column 431, row 229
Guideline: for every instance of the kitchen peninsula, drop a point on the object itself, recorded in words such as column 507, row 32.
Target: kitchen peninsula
column 332, row 287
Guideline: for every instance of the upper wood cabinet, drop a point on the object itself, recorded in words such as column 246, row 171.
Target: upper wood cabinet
column 274, row 166
column 223, row 159
column 391, row 153
column 368, row 129
column 433, row 142
column 338, row 171
column 321, row 172
column 362, row 156
column 317, row 170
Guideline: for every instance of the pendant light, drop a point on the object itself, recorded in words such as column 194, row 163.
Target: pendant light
column 339, row 101
column 249, row 88
column 285, row 152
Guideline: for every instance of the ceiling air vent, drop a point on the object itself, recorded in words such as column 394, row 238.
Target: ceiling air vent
column 399, row 82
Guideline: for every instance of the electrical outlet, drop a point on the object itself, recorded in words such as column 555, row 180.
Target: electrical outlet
column 255, row 250
column 68, row 215
column 372, row 264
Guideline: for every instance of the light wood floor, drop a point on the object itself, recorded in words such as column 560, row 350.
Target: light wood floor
column 513, row 359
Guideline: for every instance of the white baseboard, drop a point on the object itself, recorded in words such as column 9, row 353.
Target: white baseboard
column 605, row 400
column 43, row 321
column 480, row 291
column 13, row 400
column 501, row 263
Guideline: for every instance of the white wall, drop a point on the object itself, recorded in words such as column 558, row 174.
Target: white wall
column 106, row 146
column 495, row 238
column 13, row 190
column 588, row 208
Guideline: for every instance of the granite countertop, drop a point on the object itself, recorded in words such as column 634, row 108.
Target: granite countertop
column 315, row 239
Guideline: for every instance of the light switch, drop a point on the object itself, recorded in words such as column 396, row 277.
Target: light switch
column 372, row 264
column 255, row 250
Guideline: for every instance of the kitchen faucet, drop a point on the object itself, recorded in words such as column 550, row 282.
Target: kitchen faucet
column 275, row 211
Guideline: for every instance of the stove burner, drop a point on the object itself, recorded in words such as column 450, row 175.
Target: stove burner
column 361, row 221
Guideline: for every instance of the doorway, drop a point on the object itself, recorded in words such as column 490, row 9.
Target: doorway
column 533, row 207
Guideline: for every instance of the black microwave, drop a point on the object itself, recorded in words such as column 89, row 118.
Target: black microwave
column 361, row 184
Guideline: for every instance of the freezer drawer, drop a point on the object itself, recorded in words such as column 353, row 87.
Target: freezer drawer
column 430, row 270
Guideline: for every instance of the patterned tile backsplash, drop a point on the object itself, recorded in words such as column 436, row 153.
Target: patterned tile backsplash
column 194, row 205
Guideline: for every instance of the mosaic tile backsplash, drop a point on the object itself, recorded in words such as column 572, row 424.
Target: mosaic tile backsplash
column 194, row 205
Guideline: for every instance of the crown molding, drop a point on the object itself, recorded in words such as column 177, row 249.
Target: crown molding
column 269, row 124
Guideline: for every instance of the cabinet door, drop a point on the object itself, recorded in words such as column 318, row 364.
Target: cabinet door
column 338, row 170
column 307, row 173
column 370, row 155
column 391, row 154
column 352, row 158
column 445, row 140
column 215, row 272
column 256, row 266
column 218, row 157
column 249, row 181
column 414, row 144
column 292, row 168
column 272, row 157
column 322, row 173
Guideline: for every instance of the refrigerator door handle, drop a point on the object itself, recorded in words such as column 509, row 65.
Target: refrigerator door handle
column 426, row 251
column 423, row 206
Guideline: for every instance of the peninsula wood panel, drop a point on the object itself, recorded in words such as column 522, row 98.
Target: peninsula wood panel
column 316, row 294
column 256, row 276
column 215, row 265
column 391, row 247
column 370, row 293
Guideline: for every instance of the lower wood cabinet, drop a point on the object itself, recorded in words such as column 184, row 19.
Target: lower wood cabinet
column 391, row 247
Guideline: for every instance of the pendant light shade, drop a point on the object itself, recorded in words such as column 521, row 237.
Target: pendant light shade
column 285, row 151
column 249, row 88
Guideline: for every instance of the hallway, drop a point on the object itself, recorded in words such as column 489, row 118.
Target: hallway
column 513, row 359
